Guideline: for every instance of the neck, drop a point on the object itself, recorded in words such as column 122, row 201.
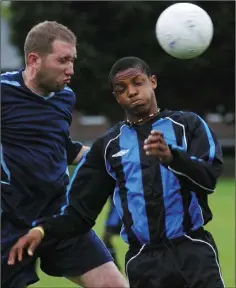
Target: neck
column 30, row 82
column 141, row 119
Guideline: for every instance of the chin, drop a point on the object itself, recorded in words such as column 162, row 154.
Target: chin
column 140, row 110
column 59, row 88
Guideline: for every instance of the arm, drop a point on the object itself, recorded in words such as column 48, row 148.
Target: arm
column 79, row 156
column 90, row 188
column 75, row 151
column 88, row 195
column 199, row 168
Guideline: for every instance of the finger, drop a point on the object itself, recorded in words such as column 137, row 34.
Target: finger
column 159, row 153
column 12, row 256
column 157, row 132
column 32, row 247
column 20, row 254
column 157, row 147
column 153, row 138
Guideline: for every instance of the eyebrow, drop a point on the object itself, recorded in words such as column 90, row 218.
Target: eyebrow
column 68, row 57
column 120, row 81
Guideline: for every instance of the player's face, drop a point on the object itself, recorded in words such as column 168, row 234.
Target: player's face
column 56, row 69
column 134, row 91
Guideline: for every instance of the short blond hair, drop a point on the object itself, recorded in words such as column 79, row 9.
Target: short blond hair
column 41, row 36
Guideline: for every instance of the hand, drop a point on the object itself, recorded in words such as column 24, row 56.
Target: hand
column 30, row 241
column 155, row 145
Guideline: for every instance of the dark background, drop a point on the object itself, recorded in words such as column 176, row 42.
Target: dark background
column 107, row 31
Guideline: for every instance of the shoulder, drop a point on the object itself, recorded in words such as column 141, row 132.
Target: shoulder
column 113, row 132
column 186, row 118
column 109, row 135
column 68, row 93
column 11, row 78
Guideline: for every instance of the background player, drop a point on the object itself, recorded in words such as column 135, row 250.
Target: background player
column 112, row 228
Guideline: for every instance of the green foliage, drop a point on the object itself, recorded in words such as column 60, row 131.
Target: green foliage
column 109, row 30
column 5, row 11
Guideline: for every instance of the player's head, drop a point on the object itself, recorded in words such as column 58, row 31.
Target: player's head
column 50, row 50
column 133, row 86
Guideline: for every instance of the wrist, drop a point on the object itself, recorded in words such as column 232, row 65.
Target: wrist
column 40, row 229
column 167, row 159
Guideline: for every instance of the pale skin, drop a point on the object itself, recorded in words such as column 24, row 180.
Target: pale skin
column 45, row 74
column 51, row 72
column 104, row 276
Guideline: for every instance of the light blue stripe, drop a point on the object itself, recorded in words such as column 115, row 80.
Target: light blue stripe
column 195, row 212
column 4, row 165
column 13, row 83
column 171, row 187
column 174, row 146
column 133, row 182
column 113, row 218
column 195, row 158
column 46, row 97
column 68, row 89
column 10, row 73
column 210, row 139
column 72, row 180
column 17, row 84
column 6, row 183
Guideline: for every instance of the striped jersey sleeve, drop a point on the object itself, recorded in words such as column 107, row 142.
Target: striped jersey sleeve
column 200, row 167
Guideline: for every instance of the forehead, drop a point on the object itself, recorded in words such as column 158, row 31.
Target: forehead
column 62, row 48
column 127, row 75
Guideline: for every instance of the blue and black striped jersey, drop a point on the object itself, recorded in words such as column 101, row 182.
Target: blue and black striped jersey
column 155, row 201
column 35, row 147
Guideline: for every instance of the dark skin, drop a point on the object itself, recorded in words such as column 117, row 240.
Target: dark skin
column 134, row 91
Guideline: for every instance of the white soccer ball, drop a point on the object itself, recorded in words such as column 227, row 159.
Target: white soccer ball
column 184, row 30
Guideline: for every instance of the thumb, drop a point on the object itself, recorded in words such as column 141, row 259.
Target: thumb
column 36, row 235
column 33, row 245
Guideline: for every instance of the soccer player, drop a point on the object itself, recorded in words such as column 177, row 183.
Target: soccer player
column 162, row 166
column 112, row 228
column 36, row 111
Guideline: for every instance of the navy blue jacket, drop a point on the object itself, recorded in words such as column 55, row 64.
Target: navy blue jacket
column 35, row 148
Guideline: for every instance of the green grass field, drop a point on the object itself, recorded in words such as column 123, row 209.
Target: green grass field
column 222, row 227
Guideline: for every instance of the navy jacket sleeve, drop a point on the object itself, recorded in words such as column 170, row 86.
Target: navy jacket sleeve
column 91, row 187
column 72, row 148
column 199, row 168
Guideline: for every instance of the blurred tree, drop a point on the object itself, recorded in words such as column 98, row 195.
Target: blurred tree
column 109, row 30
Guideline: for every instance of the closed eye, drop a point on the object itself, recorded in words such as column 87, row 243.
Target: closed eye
column 66, row 59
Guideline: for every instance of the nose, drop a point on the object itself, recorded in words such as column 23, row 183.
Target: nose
column 70, row 69
column 132, row 91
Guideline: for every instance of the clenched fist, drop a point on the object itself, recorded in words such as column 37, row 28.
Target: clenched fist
column 155, row 145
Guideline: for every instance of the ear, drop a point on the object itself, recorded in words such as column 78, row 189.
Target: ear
column 33, row 59
column 117, row 99
column 153, row 80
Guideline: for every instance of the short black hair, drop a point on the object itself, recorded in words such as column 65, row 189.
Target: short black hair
column 129, row 62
